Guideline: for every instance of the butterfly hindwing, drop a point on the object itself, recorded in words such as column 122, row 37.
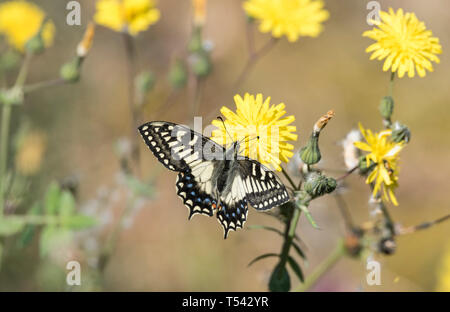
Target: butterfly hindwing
column 263, row 188
column 233, row 206
column 194, row 195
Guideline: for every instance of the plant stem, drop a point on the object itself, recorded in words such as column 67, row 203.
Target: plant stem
column 134, row 113
column 289, row 236
column 323, row 267
column 4, row 131
column 252, row 60
column 391, row 84
column 289, row 179
column 4, row 136
column 43, row 84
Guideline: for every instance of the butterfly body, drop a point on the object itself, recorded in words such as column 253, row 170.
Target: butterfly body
column 211, row 178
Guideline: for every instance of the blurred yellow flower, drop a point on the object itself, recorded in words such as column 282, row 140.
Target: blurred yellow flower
column 132, row 16
column 30, row 153
column 262, row 128
column 21, row 20
column 405, row 43
column 199, row 11
column 443, row 278
column 384, row 153
column 292, row 18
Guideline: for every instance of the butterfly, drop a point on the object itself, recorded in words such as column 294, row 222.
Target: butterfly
column 212, row 179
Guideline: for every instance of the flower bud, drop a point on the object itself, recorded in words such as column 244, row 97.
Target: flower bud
column 36, row 44
column 310, row 154
column 70, row 71
column 317, row 184
column 201, row 64
column 400, row 133
column 387, row 246
column 196, row 43
column 363, row 168
column 178, row 75
column 9, row 60
column 387, row 107
column 13, row 96
column 145, row 82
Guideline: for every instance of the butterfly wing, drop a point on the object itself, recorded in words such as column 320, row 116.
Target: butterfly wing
column 196, row 196
column 177, row 147
column 263, row 188
column 233, row 207
column 180, row 149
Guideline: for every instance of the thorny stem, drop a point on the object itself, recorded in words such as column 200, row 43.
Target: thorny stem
column 323, row 267
column 252, row 60
column 134, row 113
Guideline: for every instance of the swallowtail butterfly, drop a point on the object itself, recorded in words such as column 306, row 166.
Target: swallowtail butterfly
column 212, row 179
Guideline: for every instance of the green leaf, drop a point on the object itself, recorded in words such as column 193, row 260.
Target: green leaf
column 66, row 204
column 263, row 257
column 11, row 225
column 52, row 198
column 296, row 268
column 298, row 250
column 53, row 238
column 78, row 222
column 308, row 216
column 279, row 280
column 263, row 227
column 30, row 229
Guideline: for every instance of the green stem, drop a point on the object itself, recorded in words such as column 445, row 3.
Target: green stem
column 289, row 179
column 323, row 267
column 290, row 235
column 43, row 84
column 4, row 136
column 391, row 84
column 22, row 76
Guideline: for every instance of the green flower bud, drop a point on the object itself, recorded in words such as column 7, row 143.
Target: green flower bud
column 36, row 44
column 70, row 71
column 201, row 64
column 363, row 168
column 9, row 60
column 310, row 154
column 387, row 107
column 317, row 184
column 196, row 44
column 145, row 82
column 400, row 133
column 13, row 96
column 178, row 75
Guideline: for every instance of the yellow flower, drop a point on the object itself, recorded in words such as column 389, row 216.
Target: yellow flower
column 29, row 155
column 384, row 155
column 291, row 18
column 405, row 43
column 20, row 21
column 444, row 272
column 132, row 16
column 199, row 11
column 262, row 128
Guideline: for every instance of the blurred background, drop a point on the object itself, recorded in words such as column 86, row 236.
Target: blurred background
column 158, row 249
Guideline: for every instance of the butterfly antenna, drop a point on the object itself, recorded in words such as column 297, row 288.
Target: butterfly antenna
column 225, row 127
